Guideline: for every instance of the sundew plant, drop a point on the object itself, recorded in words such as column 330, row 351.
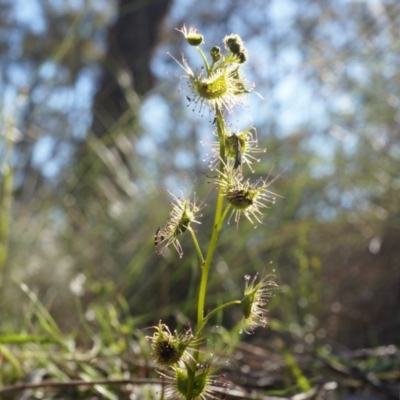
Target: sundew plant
column 218, row 86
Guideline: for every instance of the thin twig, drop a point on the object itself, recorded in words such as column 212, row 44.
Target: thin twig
column 55, row 384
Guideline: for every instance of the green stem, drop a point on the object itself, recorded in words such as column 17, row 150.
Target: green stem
column 225, row 214
column 213, row 312
column 196, row 244
column 206, row 264
column 204, row 58
column 216, row 227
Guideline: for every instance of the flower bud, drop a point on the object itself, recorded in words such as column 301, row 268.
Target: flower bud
column 200, row 383
column 245, row 197
column 199, row 377
column 241, row 198
column 192, row 37
column 234, row 145
column 183, row 213
column 235, row 45
column 168, row 349
column 255, row 298
column 215, row 53
column 242, row 57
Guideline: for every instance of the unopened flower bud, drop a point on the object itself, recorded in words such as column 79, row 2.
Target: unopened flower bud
column 199, row 377
column 184, row 212
column 192, row 37
column 215, row 53
column 242, row 57
column 195, row 39
column 255, row 298
column 244, row 197
column 235, row 45
column 168, row 349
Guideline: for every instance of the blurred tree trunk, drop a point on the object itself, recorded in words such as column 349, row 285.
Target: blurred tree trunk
column 130, row 43
column 106, row 161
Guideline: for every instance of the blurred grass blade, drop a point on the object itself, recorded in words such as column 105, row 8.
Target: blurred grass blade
column 92, row 374
column 8, row 355
column 6, row 188
column 45, row 319
column 22, row 338
column 301, row 380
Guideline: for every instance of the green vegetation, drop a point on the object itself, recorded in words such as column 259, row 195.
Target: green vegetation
column 86, row 162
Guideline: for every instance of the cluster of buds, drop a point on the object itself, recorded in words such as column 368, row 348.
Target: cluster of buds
column 219, row 86
column 172, row 353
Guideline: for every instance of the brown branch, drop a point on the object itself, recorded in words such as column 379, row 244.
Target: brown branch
column 232, row 394
column 53, row 384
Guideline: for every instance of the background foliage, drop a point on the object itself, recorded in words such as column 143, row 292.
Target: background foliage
column 94, row 130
